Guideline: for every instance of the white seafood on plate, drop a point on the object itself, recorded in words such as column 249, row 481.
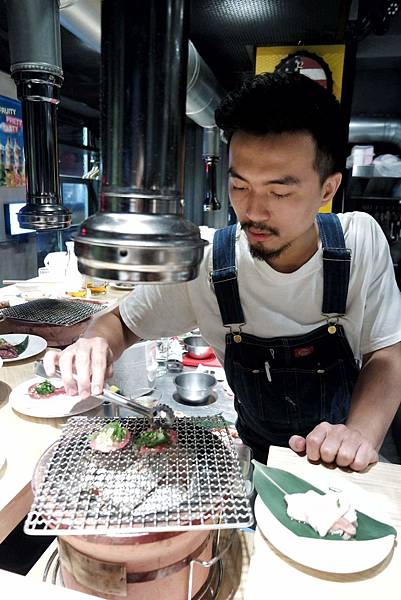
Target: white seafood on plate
column 325, row 513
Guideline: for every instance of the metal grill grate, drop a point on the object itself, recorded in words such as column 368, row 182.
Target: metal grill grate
column 45, row 311
column 196, row 483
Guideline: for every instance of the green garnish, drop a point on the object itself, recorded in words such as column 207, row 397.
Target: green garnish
column 338, row 503
column 114, row 430
column 151, row 439
column 44, row 388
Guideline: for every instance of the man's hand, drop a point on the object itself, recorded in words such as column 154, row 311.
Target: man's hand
column 336, row 444
column 84, row 366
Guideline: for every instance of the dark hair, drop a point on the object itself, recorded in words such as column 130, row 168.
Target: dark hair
column 274, row 103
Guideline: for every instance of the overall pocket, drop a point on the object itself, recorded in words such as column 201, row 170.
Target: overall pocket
column 262, row 398
column 321, row 394
column 296, row 398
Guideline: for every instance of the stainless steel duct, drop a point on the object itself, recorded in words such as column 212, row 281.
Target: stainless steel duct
column 140, row 234
column 36, row 70
column 82, row 18
column 375, row 129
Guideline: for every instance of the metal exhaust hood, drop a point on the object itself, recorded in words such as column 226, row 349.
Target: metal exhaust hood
column 35, row 52
column 140, row 234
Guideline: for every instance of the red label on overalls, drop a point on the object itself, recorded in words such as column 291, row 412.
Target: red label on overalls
column 305, row 351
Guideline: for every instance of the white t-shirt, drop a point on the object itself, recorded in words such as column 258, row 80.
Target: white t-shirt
column 280, row 304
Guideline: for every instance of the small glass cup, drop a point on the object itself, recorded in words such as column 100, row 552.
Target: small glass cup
column 162, row 355
column 97, row 287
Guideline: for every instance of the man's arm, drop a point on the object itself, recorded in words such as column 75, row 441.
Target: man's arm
column 88, row 362
column 375, row 400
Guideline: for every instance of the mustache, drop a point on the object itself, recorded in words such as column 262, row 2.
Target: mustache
column 260, row 226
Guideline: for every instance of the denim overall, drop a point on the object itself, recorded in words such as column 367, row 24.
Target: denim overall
column 287, row 385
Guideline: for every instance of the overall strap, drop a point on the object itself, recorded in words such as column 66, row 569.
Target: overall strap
column 336, row 264
column 224, row 276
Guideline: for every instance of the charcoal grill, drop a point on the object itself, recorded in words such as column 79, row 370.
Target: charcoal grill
column 47, row 311
column 195, row 484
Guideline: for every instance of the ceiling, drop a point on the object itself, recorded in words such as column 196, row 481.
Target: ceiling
column 226, row 33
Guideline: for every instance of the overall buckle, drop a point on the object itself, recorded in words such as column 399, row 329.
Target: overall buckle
column 332, row 322
column 236, row 332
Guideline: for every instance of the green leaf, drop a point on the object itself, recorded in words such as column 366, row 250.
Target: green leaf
column 152, row 438
column 272, row 484
column 44, row 388
column 22, row 346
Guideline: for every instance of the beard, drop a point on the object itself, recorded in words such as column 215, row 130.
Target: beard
column 257, row 250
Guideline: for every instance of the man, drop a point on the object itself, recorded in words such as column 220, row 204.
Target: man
column 293, row 303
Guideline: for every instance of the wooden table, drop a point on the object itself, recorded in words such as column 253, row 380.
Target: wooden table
column 270, row 570
column 23, row 439
column 17, row 586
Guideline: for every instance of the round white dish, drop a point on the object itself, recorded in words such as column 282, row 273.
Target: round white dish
column 36, row 344
column 47, row 408
column 331, row 556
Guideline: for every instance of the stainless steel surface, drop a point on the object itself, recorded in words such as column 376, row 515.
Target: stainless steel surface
column 142, row 160
column 197, row 347
column 211, row 142
column 82, row 18
column 203, row 91
column 211, row 399
column 46, row 311
column 224, row 403
column 140, row 234
column 139, row 247
column 368, row 171
column 195, row 386
column 161, row 414
column 196, row 483
column 375, row 129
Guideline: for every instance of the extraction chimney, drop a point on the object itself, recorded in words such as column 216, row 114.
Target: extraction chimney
column 140, row 234
column 35, row 52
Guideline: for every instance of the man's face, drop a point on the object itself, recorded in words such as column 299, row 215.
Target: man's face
column 276, row 191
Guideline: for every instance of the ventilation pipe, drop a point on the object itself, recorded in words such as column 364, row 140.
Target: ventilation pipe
column 35, row 52
column 367, row 130
column 139, row 233
column 82, row 18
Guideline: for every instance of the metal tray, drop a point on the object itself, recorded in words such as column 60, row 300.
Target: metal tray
column 196, row 483
column 46, row 311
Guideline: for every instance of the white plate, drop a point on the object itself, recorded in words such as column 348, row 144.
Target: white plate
column 331, row 556
column 57, row 406
column 122, row 285
column 36, row 344
column 2, row 458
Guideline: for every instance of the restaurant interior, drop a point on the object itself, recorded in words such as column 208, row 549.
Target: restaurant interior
column 68, row 139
